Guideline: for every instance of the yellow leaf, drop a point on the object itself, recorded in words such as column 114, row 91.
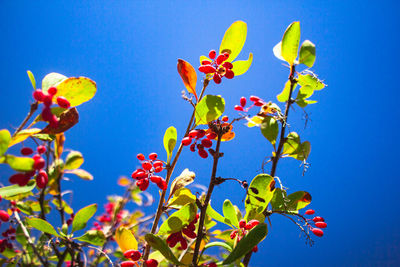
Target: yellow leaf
column 242, row 66
column 123, row 181
column 23, row 135
column 125, row 239
column 188, row 75
column 76, row 90
column 234, row 39
column 254, row 121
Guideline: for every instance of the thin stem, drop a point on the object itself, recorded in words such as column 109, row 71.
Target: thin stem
column 170, row 170
column 28, row 238
column 32, row 110
column 42, row 192
column 203, row 209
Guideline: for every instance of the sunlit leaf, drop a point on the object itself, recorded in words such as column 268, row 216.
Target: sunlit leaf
column 84, row 175
column 254, row 121
column 20, row 164
column 178, row 220
column 230, row 213
column 284, row 95
column 45, row 137
column 13, row 190
column 234, row 39
column 290, row 42
column 270, row 129
column 305, row 92
column 23, row 135
column 278, row 51
column 5, row 138
column 67, row 120
column 42, row 226
column 31, row 79
column 181, row 197
column 242, row 66
column 218, row 217
column 157, row 243
column 124, row 181
column 305, row 102
column 185, row 178
column 247, row 243
column 52, row 79
column 59, row 144
column 8, row 253
column 83, row 216
column 65, row 206
column 307, row 53
column 77, row 90
column 209, row 108
column 292, row 202
column 74, row 160
column 170, row 138
column 94, row 237
column 188, row 75
column 125, row 239
column 259, row 194
column 311, row 80
column 294, row 148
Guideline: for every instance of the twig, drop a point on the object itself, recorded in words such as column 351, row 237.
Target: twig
column 32, row 110
column 105, row 254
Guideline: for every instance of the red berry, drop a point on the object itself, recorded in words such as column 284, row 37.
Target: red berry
column 225, row 118
column 310, row 212
column 54, row 122
column 143, row 184
column 220, row 59
column 254, row 98
column 212, row 54
column 139, row 174
column 132, row 254
column 206, row 62
column 155, row 179
column 38, row 95
column 233, row 234
column 203, row 153
column 243, row 101
column 186, row 141
column 41, row 179
column 255, row 249
column 207, row 69
column 242, row 223
column 259, row 104
column 140, row 156
column 318, row 232
column 158, row 163
column 162, row 184
column 153, row 156
column 193, row 147
column 201, row 133
column 206, row 143
column 211, row 135
column 229, row 74
column 63, row 102
column 48, row 100
column 158, row 169
column 217, row 78
column 226, row 55
column 41, row 149
column 151, row 263
column 318, row 219
column 238, row 108
column 52, row 91
column 227, row 65
column 193, row 133
column 4, row 216
column 251, row 224
column 189, row 233
column 17, row 178
column 128, row 264
column 46, row 114
column 26, row 151
column 212, row 264
column 147, row 165
column 321, row 224
column 39, row 163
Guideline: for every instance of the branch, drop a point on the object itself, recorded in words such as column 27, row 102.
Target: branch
column 32, row 110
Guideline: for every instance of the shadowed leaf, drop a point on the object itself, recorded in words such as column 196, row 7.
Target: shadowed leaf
column 157, row 243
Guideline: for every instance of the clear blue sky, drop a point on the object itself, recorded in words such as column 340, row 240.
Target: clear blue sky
column 131, row 48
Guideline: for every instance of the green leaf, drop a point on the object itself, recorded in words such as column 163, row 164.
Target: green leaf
column 294, row 148
column 234, row 39
column 20, row 164
column 230, row 213
column 284, row 95
column 260, row 193
column 5, row 138
column 178, row 220
column 270, row 129
column 182, row 196
column 242, row 66
column 247, row 243
column 170, row 138
column 307, row 53
column 94, row 237
column 160, row 245
column 217, row 244
column 218, row 217
column 45, row 137
column 42, row 225
column 52, row 79
column 77, row 90
column 305, row 102
column 9, row 253
column 13, row 190
column 82, row 216
column 291, row 203
column 311, row 80
column 277, row 50
column 84, row 175
column 185, row 178
column 32, row 79
column 305, row 92
column 66, row 207
column 23, row 135
column 290, row 42
column 125, row 239
column 209, row 108
column 74, row 160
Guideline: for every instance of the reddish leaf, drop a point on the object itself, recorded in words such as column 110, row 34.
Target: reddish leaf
column 67, row 119
column 188, row 75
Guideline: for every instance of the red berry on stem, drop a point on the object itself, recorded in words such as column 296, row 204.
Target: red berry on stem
column 207, row 69
column 318, row 219
column 54, row 121
column 38, row 95
column 201, row 133
column 139, row 174
column 211, row 135
column 229, row 74
column 158, row 163
column 47, row 100
column 206, row 62
column 227, row 65
column 39, row 163
column 255, row 249
column 225, row 118
column 193, row 133
column 63, row 102
column 220, row 59
column 46, row 114
column 128, row 264
column 52, row 91
column 4, row 216
column 321, row 224
column 203, row 153
column 217, row 78
column 151, row 263
column 26, row 151
column 254, row 98
column 318, row 232
column 259, row 104
column 243, row 101
column 186, row 141
column 233, row 234
column 155, row 179
column 17, row 178
column 143, row 184
column 162, row 184
column 310, row 212
column 212, row 54
column 193, row 147
column 238, row 108
column 41, row 149
column 147, row 165
column 242, row 223
column 153, row 156
column 206, row 143
column 158, row 169
column 140, row 156
column 41, row 179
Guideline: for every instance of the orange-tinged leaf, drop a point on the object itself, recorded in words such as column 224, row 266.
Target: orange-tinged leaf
column 59, row 144
column 226, row 136
column 123, row 181
column 67, row 119
column 125, row 239
column 188, row 75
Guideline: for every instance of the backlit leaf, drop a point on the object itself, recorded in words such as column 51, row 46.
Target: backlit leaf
column 124, row 181
column 290, row 42
column 52, row 79
column 254, row 121
column 83, row 216
column 76, row 90
column 259, row 194
column 54, row 110
column 185, row 178
column 209, row 108
column 67, row 120
column 21, row 164
column 242, row 66
column 292, row 202
column 66, row 207
column 125, row 239
column 94, row 237
column 74, row 160
column 218, row 217
column 307, row 53
column 311, row 80
column 32, row 79
column 170, row 138
column 42, row 226
column 278, row 51
column 13, row 190
column 182, row 197
column 188, row 75
column 5, row 138
column 157, row 243
column 234, row 39
column 294, row 148
column 230, row 213
column 270, row 129
column 178, row 219
column 23, row 135
column 284, row 95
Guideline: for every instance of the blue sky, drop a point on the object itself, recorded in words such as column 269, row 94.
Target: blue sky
column 131, row 48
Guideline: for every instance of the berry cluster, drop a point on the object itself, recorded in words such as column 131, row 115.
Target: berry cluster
column 108, row 216
column 41, row 176
column 8, row 235
column 244, row 228
column 318, row 222
column 256, row 102
column 189, row 231
column 205, row 143
column 217, row 67
column 146, row 173
column 47, row 99
column 135, row 255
